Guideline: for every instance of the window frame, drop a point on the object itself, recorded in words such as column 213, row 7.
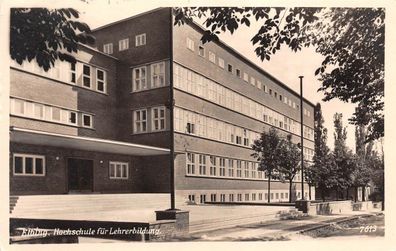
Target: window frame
column 201, row 51
column 159, row 119
column 86, row 76
column 134, row 79
column 152, row 75
column 115, row 170
column 140, row 40
column 190, row 44
column 104, row 81
column 123, row 44
column 108, row 48
column 82, row 120
column 221, row 62
column 140, row 121
column 24, row 156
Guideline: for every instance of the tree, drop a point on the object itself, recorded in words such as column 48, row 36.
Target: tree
column 46, row 35
column 343, row 157
column 310, row 176
column 267, row 152
column 289, row 161
column 322, row 172
column 350, row 39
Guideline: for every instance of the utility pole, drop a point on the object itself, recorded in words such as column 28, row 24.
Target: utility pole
column 302, row 137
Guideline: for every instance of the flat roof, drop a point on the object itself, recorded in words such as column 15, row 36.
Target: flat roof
column 219, row 42
column 27, row 136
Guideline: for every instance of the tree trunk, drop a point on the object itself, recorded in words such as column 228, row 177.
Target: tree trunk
column 356, row 193
column 309, row 189
column 269, row 188
column 347, row 193
column 290, row 190
column 363, row 193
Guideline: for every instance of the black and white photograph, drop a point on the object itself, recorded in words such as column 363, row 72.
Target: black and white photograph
column 260, row 123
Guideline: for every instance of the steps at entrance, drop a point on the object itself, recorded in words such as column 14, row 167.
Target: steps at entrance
column 13, row 202
column 69, row 204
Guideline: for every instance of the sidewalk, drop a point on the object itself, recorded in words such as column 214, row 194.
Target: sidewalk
column 274, row 229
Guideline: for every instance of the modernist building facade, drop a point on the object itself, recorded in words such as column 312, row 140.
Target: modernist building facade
column 122, row 93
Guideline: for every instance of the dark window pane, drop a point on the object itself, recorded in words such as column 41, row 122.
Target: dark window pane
column 39, row 166
column 29, row 165
column 87, row 120
column 100, row 86
column 124, row 171
column 100, row 75
column 73, row 117
column 73, row 66
column 87, row 70
column 18, row 165
column 112, row 170
column 87, row 82
column 73, row 78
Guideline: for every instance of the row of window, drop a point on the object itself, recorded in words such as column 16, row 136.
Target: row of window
column 80, row 74
column 30, row 109
column 215, row 166
column 157, row 77
column 34, row 165
column 158, row 119
column 189, row 122
column 196, row 84
column 240, row 197
column 238, row 73
column 123, row 44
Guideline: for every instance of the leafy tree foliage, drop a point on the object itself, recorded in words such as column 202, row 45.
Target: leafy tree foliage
column 46, row 35
column 350, row 39
column 289, row 161
column 267, row 152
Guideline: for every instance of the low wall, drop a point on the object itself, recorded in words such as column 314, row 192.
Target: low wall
column 330, row 207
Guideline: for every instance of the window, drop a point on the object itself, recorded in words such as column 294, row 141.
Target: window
column 108, row 48
column 221, row 63
column 56, row 114
column 253, row 196
column 39, row 111
column 87, row 76
column 245, row 77
column 202, row 198
column 190, row 128
column 123, row 44
column 212, row 57
column 260, row 196
column 19, row 107
column 222, row 166
column 72, row 118
column 230, row 168
column 190, row 163
column 140, row 118
column 158, row 74
column 252, row 81
column 212, row 165
column 229, row 68
column 231, row 198
column 202, row 164
column 270, row 91
column 73, row 73
column 238, row 73
column 140, row 39
column 118, row 170
column 30, row 165
column 258, row 84
column 139, row 79
column 239, row 169
column 222, row 197
column 246, row 169
column 100, row 80
column 190, row 44
column 280, row 97
column 158, row 118
column 247, row 196
column 191, row 198
column 87, row 120
column 201, row 51
column 239, row 197
column 213, row 197
column 275, row 94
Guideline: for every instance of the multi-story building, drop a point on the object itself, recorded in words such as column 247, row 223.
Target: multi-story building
column 148, row 87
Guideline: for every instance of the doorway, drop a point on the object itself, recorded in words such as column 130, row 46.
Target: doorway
column 80, row 172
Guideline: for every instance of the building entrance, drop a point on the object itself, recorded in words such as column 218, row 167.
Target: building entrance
column 80, row 172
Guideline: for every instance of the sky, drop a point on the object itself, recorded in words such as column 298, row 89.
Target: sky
column 285, row 65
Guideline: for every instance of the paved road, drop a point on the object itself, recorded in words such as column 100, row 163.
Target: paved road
column 276, row 229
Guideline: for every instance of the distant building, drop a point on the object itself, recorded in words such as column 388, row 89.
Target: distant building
column 104, row 124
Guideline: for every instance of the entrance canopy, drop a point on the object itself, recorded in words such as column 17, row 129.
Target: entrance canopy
column 34, row 137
